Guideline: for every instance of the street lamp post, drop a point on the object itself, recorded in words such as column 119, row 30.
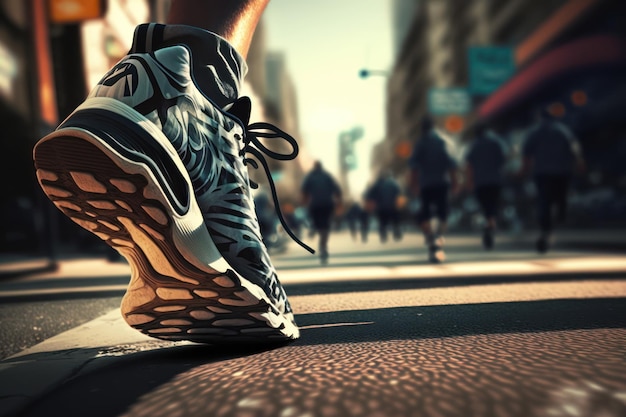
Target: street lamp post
column 365, row 73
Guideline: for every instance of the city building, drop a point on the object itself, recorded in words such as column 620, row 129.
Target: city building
column 19, row 116
column 496, row 62
column 274, row 97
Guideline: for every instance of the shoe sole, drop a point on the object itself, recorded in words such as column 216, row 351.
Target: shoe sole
column 436, row 254
column 542, row 246
column 181, row 288
column 488, row 241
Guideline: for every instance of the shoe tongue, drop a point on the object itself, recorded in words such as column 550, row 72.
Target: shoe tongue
column 218, row 68
column 241, row 109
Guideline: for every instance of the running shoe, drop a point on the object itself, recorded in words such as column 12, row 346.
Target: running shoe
column 436, row 254
column 542, row 244
column 324, row 257
column 488, row 239
column 154, row 162
column 435, row 249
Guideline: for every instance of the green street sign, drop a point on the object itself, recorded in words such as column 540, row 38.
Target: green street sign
column 489, row 68
column 453, row 100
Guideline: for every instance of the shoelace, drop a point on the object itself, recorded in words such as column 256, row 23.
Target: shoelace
column 253, row 146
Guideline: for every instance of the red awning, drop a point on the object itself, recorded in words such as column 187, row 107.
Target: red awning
column 591, row 52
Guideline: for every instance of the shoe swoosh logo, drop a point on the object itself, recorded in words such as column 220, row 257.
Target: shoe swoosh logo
column 127, row 71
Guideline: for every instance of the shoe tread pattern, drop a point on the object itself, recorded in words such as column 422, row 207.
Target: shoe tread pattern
column 185, row 303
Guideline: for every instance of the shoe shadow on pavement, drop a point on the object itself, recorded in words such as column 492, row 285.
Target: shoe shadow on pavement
column 443, row 321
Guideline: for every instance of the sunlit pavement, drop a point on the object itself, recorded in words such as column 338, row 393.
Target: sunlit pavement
column 383, row 334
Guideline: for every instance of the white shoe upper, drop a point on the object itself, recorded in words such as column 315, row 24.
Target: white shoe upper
column 160, row 84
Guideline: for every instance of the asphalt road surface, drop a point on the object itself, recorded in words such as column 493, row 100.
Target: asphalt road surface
column 376, row 341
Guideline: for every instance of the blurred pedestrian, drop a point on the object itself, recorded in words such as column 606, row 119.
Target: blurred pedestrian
column 322, row 195
column 155, row 163
column 269, row 223
column 358, row 221
column 295, row 223
column 484, row 174
column 550, row 153
column 384, row 196
column 433, row 174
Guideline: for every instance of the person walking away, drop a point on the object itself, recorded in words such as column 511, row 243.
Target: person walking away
column 357, row 219
column 364, row 223
column 269, row 224
column 550, row 153
column 295, row 223
column 384, row 196
column 433, row 174
column 154, row 163
column 484, row 175
column 322, row 195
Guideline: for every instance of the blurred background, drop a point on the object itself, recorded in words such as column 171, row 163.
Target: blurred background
column 351, row 80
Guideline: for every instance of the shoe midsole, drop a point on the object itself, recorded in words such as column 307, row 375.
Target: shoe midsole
column 135, row 144
column 191, row 235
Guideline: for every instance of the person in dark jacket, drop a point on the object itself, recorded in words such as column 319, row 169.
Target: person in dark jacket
column 433, row 175
column 484, row 175
column 322, row 195
column 384, row 195
column 358, row 221
column 551, row 154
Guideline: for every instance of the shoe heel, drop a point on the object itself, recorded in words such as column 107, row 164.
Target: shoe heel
column 94, row 189
column 173, row 294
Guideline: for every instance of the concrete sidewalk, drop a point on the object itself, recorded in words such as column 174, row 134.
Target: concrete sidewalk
column 92, row 276
column 610, row 240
